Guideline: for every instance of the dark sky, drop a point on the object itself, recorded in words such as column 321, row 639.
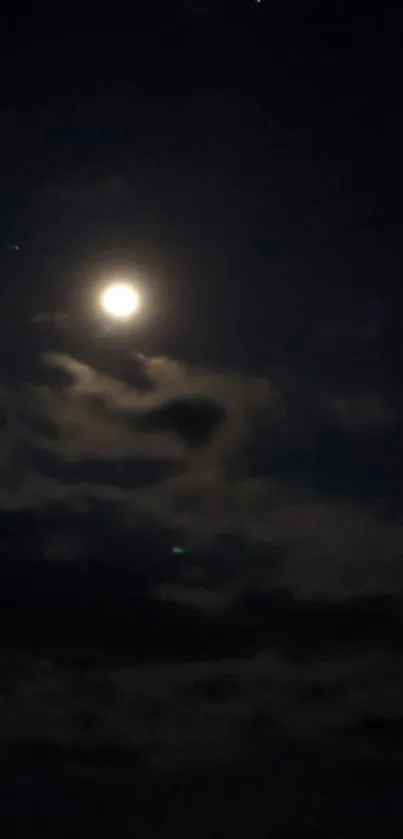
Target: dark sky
column 244, row 160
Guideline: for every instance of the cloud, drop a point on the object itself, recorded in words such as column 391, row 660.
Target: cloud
column 85, row 419
column 207, row 600
column 58, row 319
column 334, row 550
column 176, row 452
column 180, row 407
column 363, row 411
column 194, row 420
column 337, row 550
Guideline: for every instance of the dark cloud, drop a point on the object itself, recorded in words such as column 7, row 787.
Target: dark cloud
column 195, row 420
column 252, row 729
column 126, row 473
column 363, row 411
column 348, row 706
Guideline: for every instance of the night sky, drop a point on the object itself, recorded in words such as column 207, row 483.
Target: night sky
column 241, row 164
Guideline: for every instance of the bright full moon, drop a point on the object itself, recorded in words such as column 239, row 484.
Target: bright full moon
column 120, row 300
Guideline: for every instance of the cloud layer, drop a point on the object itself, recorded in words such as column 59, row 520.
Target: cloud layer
column 177, row 451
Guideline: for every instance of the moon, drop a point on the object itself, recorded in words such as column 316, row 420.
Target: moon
column 120, row 300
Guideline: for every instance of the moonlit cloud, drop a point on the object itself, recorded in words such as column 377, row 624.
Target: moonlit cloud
column 176, row 453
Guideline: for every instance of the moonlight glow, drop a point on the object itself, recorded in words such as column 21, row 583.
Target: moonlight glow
column 120, row 300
